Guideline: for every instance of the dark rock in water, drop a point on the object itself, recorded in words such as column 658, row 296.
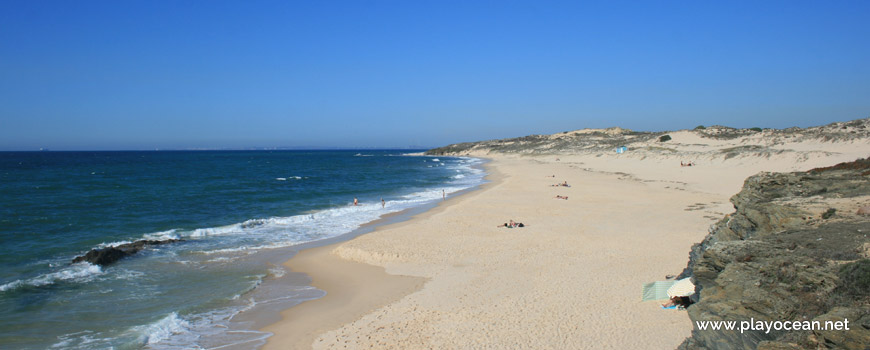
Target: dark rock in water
column 109, row 255
column 777, row 259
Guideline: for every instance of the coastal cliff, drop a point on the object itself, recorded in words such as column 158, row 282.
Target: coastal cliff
column 795, row 249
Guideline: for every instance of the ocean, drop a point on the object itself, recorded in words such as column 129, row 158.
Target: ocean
column 239, row 215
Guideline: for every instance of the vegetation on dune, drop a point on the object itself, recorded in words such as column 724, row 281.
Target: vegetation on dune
column 600, row 141
column 860, row 164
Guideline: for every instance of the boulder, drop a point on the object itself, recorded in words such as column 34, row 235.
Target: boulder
column 109, row 255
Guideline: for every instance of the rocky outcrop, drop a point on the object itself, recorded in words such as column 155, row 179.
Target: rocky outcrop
column 795, row 249
column 109, row 255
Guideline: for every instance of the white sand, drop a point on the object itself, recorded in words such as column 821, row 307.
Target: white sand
column 571, row 279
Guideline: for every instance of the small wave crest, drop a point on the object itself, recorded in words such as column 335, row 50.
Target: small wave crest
column 154, row 236
column 277, row 272
column 80, row 272
column 161, row 329
column 162, row 235
column 216, row 231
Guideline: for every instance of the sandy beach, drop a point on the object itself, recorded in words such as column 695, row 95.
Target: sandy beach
column 341, row 175
column 451, row 279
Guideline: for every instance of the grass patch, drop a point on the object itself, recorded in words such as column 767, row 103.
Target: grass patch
column 860, row 164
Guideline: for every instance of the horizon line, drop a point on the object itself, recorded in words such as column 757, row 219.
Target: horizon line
column 202, row 149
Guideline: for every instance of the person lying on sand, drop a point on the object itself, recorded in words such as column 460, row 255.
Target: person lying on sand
column 679, row 302
column 564, row 184
column 561, row 197
column 512, row 224
column 687, row 164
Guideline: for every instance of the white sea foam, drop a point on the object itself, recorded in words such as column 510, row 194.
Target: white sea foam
column 281, row 178
column 154, row 236
column 223, row 251
column 216, row 231
column 112, row 244
column 78, row 340
column 211, row 330
column 244, row 250
column 277, row 271
column 162, row 235
column 79, row 272
column 161, row 329
column 127, row 274
column 222, row 259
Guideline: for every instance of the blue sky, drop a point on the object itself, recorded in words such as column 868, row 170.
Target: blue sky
column 219, row 74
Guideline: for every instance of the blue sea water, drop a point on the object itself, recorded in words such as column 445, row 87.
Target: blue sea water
column 232, row 209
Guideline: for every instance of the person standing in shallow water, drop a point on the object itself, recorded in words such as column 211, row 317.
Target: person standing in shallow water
column 355, row 201
column 383, row 204
column 443, row 195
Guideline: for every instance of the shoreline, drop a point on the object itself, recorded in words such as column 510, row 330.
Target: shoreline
column 358, row 304
column 352, row 288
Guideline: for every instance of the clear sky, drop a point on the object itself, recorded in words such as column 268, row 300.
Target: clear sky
column 218, row 74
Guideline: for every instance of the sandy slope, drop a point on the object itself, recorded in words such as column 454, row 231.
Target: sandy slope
column 569, row 280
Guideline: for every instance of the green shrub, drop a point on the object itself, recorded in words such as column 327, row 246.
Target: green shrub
column 700, row 127
column 665, row 138
column 829, row 213
column 855, row 278
column 755, row 129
